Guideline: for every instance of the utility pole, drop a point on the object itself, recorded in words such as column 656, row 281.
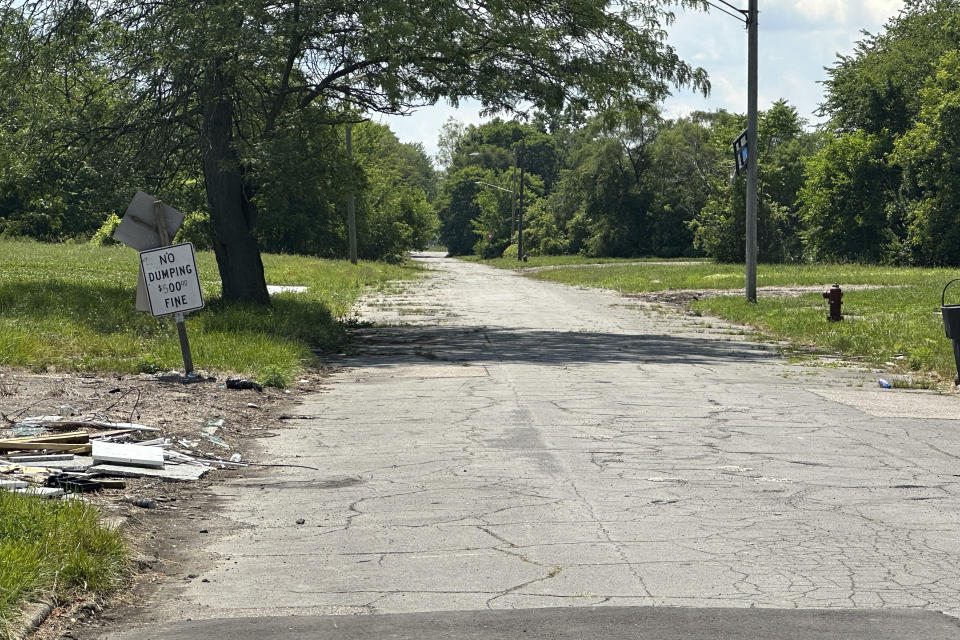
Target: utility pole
column 523, row 153
column 752, row 153
column 351, row 199
column 520, row 220
column 513, row 197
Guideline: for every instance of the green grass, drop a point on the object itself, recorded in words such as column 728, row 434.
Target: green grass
column 897, row 328
column 900, row 329
column 661, row 277
column 53, row 548
column 559, row 261
column 71, row 308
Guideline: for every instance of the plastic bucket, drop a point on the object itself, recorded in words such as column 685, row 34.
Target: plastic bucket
column 951, row 314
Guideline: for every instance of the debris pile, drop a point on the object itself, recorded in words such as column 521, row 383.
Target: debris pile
column 54, row 455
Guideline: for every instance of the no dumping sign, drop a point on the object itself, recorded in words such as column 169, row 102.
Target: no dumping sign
column 170, row 274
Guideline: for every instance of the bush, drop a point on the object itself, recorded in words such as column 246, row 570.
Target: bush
column 197, row 229
column 274, row 376
column 550, row 247
column 104, row 235
column 510, row 252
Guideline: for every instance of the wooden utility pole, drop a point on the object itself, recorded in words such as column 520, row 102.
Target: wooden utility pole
column 752, row 153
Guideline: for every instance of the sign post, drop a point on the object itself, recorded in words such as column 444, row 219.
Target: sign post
column 167, row 282
column 173, row 279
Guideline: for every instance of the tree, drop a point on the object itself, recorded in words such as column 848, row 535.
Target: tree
column 841, row 205
column 930, row 154
column 873, row 98
column 228, row 75
column 877, row 88
column 393, row 215
column 457, row 208
column 719, row 228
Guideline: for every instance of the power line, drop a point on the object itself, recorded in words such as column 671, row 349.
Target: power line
column 737, row 9
column 722, row 10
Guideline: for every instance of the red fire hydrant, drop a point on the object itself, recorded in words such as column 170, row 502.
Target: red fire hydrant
column 834, row 296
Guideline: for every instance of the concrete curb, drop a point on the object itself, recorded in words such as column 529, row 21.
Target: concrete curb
column 33, row 615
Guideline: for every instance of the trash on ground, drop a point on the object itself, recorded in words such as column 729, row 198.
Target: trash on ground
column 883, row 383
column 220, row 442
column 243, row 383
column 127, row 454
column 49, row 457
column 75, row 453
column 170, row 472
column 27, row 429
column 74, row 482
column 73, row 442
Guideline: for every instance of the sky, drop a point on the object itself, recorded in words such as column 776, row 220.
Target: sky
column 798, row 38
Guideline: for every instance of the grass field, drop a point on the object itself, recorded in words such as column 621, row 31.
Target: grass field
column 898, row 327
column 708, row 275
column 71, row 308
column 53, row 547
column 553, row 261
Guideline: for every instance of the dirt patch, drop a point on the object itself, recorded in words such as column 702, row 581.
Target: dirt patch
column 683, row 297
column 166, row 540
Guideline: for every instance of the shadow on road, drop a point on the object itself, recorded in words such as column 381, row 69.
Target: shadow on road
column 404, row 344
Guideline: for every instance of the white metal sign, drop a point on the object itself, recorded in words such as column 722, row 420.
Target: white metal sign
column 138, row 229
column 172, row 283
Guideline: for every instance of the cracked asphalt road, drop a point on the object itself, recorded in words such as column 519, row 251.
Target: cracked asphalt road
column 500, row 443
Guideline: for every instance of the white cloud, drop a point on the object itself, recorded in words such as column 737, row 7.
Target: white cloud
column 835, row 10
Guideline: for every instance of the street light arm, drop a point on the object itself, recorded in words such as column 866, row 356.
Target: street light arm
column 487, row 184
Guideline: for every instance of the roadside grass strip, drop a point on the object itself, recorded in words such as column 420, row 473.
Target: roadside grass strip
column 897, row 327
column 559, row 261
column 71, row 308
column 707, row 275
column 54, row 548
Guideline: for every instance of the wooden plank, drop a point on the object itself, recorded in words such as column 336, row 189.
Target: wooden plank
column 44, row 446
column 75, row 436
column 41, row 458
column 115, row 432
column 60, row 425
column 127, row 454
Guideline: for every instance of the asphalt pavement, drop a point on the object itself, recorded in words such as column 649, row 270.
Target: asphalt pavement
column 501, row 458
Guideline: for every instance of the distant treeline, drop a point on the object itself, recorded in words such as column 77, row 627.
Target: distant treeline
column 879, row 182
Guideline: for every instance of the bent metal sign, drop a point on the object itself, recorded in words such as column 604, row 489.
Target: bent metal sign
column 170, row 274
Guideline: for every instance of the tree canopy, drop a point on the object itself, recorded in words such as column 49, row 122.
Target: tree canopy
column 214, row 85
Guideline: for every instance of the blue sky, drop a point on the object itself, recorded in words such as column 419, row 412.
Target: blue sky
column 798, row 38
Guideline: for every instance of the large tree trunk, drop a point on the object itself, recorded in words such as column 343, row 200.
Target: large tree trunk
column 231, row 211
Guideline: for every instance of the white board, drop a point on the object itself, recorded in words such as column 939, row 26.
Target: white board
column 127, row 454
column 172, row 282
